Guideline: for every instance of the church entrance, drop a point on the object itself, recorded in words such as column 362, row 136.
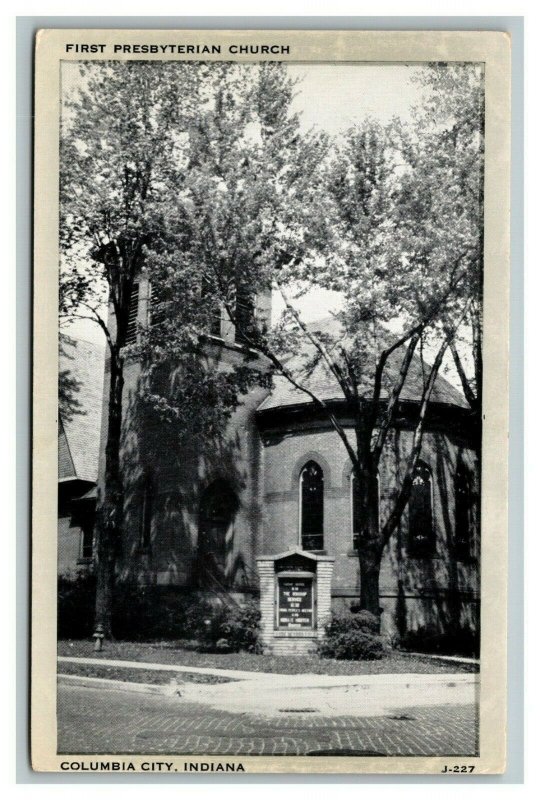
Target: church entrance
column 216, row 530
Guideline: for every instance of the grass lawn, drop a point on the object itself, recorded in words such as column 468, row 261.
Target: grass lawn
column 136, row 675
column 175, row 653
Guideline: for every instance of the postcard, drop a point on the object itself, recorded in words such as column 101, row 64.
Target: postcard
column 270, row 402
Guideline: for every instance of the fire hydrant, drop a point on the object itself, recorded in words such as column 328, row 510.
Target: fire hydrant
column 98, row 638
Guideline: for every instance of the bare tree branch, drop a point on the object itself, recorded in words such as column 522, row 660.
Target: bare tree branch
column 330, row 362
column 261, row 347
column 96, row 317
column 388, row 415
column 404, row 493
column 465, row 383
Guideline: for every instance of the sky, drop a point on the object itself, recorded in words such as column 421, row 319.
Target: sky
column 335, row 96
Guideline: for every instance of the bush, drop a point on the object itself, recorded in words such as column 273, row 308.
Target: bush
column 76, row 600
column 352, row 636
column 203, row 620
column 146, row 613
column 239, row 628
column 143, row 614
column 456, row 641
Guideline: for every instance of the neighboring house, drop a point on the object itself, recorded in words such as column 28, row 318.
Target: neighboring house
column 197, row 516
column 79, row 424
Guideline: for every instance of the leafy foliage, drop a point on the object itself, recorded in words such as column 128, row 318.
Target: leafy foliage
column 455, row 641
column 142, row 613
column 76, row 600
column 198, row 178
column 239, row 628
column 353, row 637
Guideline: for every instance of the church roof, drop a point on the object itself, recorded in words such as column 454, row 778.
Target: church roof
column 79, row 432
column 322, row 383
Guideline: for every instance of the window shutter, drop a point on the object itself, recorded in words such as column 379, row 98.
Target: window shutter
column 245, row 314
column 131, row 335
column 158, row 305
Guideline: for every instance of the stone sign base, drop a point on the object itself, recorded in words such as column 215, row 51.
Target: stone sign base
column 294, row 601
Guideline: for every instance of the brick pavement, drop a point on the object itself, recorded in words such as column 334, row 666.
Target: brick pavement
column 93, row 721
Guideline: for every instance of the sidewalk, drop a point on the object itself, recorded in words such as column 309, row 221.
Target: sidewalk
column 328, row 695
column 284, row 679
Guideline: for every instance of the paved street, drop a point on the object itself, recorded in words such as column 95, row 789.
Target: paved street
column 97, row 720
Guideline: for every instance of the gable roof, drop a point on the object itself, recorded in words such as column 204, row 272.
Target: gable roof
column 322, row 383
column 79, row 433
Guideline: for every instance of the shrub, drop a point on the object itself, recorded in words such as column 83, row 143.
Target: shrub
column 146, row 613
column 76, row 601
column 143, row 613
column 455, row 641
column 239, row 628
column 203, row 620
column 352, row 636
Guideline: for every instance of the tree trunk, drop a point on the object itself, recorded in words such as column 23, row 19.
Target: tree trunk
column 109, row 517
column 370, row 567
column 369, row 545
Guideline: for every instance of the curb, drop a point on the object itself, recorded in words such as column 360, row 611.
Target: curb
column 108, row 683
column 435, row 657
column 232, row 674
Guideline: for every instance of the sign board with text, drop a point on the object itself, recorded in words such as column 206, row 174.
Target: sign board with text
column 295, row 602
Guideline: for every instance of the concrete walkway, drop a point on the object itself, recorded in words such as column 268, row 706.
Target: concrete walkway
column 284, row 679
column 328, row 695
column 336, row 695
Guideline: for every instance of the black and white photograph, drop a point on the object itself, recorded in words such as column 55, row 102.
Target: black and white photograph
column 270, row 411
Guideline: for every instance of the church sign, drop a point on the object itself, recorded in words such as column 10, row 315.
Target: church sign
column 295, row 601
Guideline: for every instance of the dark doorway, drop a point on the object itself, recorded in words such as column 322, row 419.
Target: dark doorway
column 218, row 509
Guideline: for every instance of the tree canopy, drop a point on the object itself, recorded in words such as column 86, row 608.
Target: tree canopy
column 198, row 178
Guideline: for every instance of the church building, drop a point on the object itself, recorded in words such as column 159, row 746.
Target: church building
column 197, row 517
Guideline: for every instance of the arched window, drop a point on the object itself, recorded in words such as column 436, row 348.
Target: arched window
column 312, row 507
column 464, row 512
column 421, row 532
column 356, row 517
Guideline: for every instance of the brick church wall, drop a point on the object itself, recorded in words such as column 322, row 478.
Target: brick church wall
column 180, row 475
column 263, row 466
column 427, row 588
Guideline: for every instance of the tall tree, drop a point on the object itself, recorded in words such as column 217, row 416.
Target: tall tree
column 387, row 228
column 115, row 149
column 125, row 139
column 164, row 177
column 244, row 207
column 451, row 121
